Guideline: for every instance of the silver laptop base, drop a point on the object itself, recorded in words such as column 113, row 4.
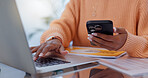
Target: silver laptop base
column 62, row 72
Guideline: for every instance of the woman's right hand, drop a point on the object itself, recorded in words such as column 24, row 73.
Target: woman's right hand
column 51, row 48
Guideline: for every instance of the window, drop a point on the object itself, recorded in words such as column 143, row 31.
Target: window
column 36, row 16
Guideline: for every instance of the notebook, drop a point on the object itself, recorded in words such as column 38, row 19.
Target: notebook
column 95, row 52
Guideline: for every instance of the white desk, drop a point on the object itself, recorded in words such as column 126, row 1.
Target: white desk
column 135, row 67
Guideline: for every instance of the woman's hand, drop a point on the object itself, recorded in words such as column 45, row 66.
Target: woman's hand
column 108, row 41
column 52, row 48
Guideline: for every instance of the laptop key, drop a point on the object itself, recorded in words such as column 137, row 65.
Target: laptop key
column 43, row 62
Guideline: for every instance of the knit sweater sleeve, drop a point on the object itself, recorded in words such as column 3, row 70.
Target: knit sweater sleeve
column 137, row 45
column 66, row 26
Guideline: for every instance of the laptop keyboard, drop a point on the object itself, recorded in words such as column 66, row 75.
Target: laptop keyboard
column 43, row 62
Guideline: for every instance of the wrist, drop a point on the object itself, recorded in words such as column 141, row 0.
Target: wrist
column 54, row 37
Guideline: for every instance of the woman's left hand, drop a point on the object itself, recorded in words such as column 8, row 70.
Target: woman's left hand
column 109, row 42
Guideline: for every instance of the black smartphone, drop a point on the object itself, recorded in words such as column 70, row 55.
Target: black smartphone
column 100, row 26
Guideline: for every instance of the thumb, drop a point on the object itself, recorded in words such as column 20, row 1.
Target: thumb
column 119, row 30
column 62, row 51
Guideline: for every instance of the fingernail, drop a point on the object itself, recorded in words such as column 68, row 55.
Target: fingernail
column 67, row 51
column 64, row 52
column 34, row 58
column 89, row 39
column 114, row 29
column 95, row 34
column 88, row 34
column 41, row 54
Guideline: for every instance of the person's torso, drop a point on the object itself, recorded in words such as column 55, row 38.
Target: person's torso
column 123, row 13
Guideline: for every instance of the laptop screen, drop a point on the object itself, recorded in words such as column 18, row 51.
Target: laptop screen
column 14, row 50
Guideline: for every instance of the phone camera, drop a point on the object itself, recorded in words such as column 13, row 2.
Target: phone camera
column 98, row 27
column 92, row 28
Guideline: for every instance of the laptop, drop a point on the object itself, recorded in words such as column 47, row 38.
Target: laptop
column 15, row 52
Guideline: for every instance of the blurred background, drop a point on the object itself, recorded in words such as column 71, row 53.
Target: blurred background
column 36, row 16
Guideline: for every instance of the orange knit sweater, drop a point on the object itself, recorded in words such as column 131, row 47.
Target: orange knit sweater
column 129, row 14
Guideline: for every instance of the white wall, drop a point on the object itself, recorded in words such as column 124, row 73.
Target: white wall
column 32, row 13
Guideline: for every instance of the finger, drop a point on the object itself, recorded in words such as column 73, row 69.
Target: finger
column 38, row 52
column 49, row 48
column 120, row 30
column 108, row 44
column 103, row 36
column 58, row 49
column 64, row 52
column 48, row 54
column 54, row 54
column 32, row 47
column 35, row 49
column 44, row 51
column 114, row 29
column 102, row 41
column 101, row 45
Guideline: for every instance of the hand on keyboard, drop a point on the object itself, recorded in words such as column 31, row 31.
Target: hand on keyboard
column 51, row 48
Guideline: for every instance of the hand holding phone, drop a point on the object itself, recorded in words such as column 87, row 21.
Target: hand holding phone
column 100, row 26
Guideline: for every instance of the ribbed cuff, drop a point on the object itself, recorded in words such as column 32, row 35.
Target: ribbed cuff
column 54, row 32
column 54, row 37
column 134, row 45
